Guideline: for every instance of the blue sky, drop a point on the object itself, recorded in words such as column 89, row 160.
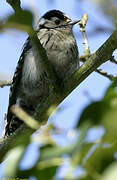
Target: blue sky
column 92, row 88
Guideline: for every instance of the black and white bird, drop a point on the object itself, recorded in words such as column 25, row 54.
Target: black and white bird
column 30, row 82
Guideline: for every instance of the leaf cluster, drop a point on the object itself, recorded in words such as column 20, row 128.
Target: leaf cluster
column 96, row 158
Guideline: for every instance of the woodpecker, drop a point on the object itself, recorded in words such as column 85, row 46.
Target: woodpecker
column 30, row 85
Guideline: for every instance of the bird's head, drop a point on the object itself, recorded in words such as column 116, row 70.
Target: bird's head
column 55, row 19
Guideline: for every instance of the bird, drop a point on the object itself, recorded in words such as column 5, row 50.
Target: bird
column 30, row 84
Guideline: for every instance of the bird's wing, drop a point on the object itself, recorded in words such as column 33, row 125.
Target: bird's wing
column 15, row 84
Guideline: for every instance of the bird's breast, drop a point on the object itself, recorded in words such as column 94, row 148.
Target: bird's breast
column 61, row 51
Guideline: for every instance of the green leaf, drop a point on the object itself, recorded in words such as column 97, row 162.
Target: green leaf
column 49, row 153
column 14, row 157
column 86, row 177
column 110, row 118
column 41, row 174
column 93, row 113
column 47, row 173
column 103, row 112
column 111, row 91
column 83, row 153
column 21, row 20
column 110, row 173
column 110, row 122
column 22, row 17
column 101, row 158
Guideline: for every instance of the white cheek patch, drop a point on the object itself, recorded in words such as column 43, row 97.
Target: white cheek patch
column 41, row 22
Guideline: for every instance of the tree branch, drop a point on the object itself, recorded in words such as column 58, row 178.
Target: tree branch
column 15, row 4
column 92, row 63
column 83, row 58
column 5, row 83
column 103, row 54
column 100, row 71
column 113, row 60
column 103, row 73
column 12, row 141
column 44, row 59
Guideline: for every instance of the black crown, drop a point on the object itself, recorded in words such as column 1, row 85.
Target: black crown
column 54, row 13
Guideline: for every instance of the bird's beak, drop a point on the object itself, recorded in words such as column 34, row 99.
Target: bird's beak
column 69, row 21
column 73, row 22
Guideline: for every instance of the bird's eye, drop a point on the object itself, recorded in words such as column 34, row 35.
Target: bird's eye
column 57, row 21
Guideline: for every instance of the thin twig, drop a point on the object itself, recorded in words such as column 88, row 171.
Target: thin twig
column 113, row 60
column 100, row 71
column 82, row 59
column 86, row 55
column 82, row 25
column 16, row 4
column 103, row 73
column 5, row 83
